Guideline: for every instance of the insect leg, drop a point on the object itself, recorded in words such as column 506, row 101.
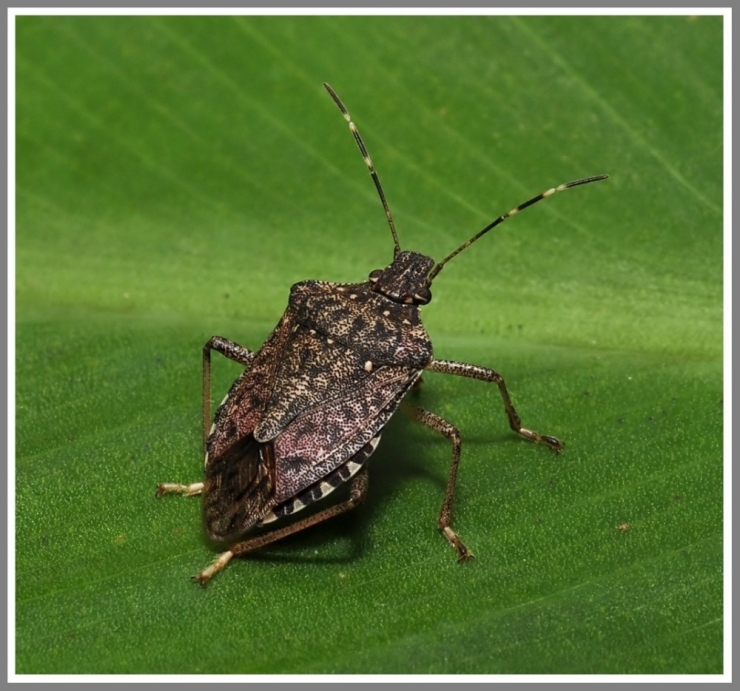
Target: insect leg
column 357, row 492
column 175, row 488
column 485, row 374
column 233, row 351
column 438, row 424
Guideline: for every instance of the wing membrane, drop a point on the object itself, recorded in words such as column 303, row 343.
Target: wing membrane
column 239, row 488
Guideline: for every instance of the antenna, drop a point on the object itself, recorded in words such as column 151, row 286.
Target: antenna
column 369, row 164
column 515, row 210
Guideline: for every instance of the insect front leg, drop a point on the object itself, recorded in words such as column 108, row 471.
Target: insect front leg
column 233, row 351
column 357, row 493
column 485, row 374
column 447, row 429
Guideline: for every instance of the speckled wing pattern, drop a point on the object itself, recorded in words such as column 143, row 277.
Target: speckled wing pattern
column 320, row 389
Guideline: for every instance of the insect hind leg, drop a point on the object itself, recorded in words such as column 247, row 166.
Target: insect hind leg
column 357, row 493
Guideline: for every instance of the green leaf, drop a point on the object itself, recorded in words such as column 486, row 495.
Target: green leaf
column 175, row 175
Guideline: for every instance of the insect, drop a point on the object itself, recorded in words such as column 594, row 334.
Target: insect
column 310, row 407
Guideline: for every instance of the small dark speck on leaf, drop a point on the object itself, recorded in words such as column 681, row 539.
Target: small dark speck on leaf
column 677, row 497
column 227, row 296
column 620, row 420
column 586, row 393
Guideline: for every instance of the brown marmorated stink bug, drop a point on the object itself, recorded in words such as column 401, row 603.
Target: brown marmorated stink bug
column 312, row 403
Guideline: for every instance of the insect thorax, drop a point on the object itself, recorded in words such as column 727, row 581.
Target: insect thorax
column 384, row 332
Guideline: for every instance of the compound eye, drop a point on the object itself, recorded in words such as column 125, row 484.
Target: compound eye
column 375, row 275
column 423, row 296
